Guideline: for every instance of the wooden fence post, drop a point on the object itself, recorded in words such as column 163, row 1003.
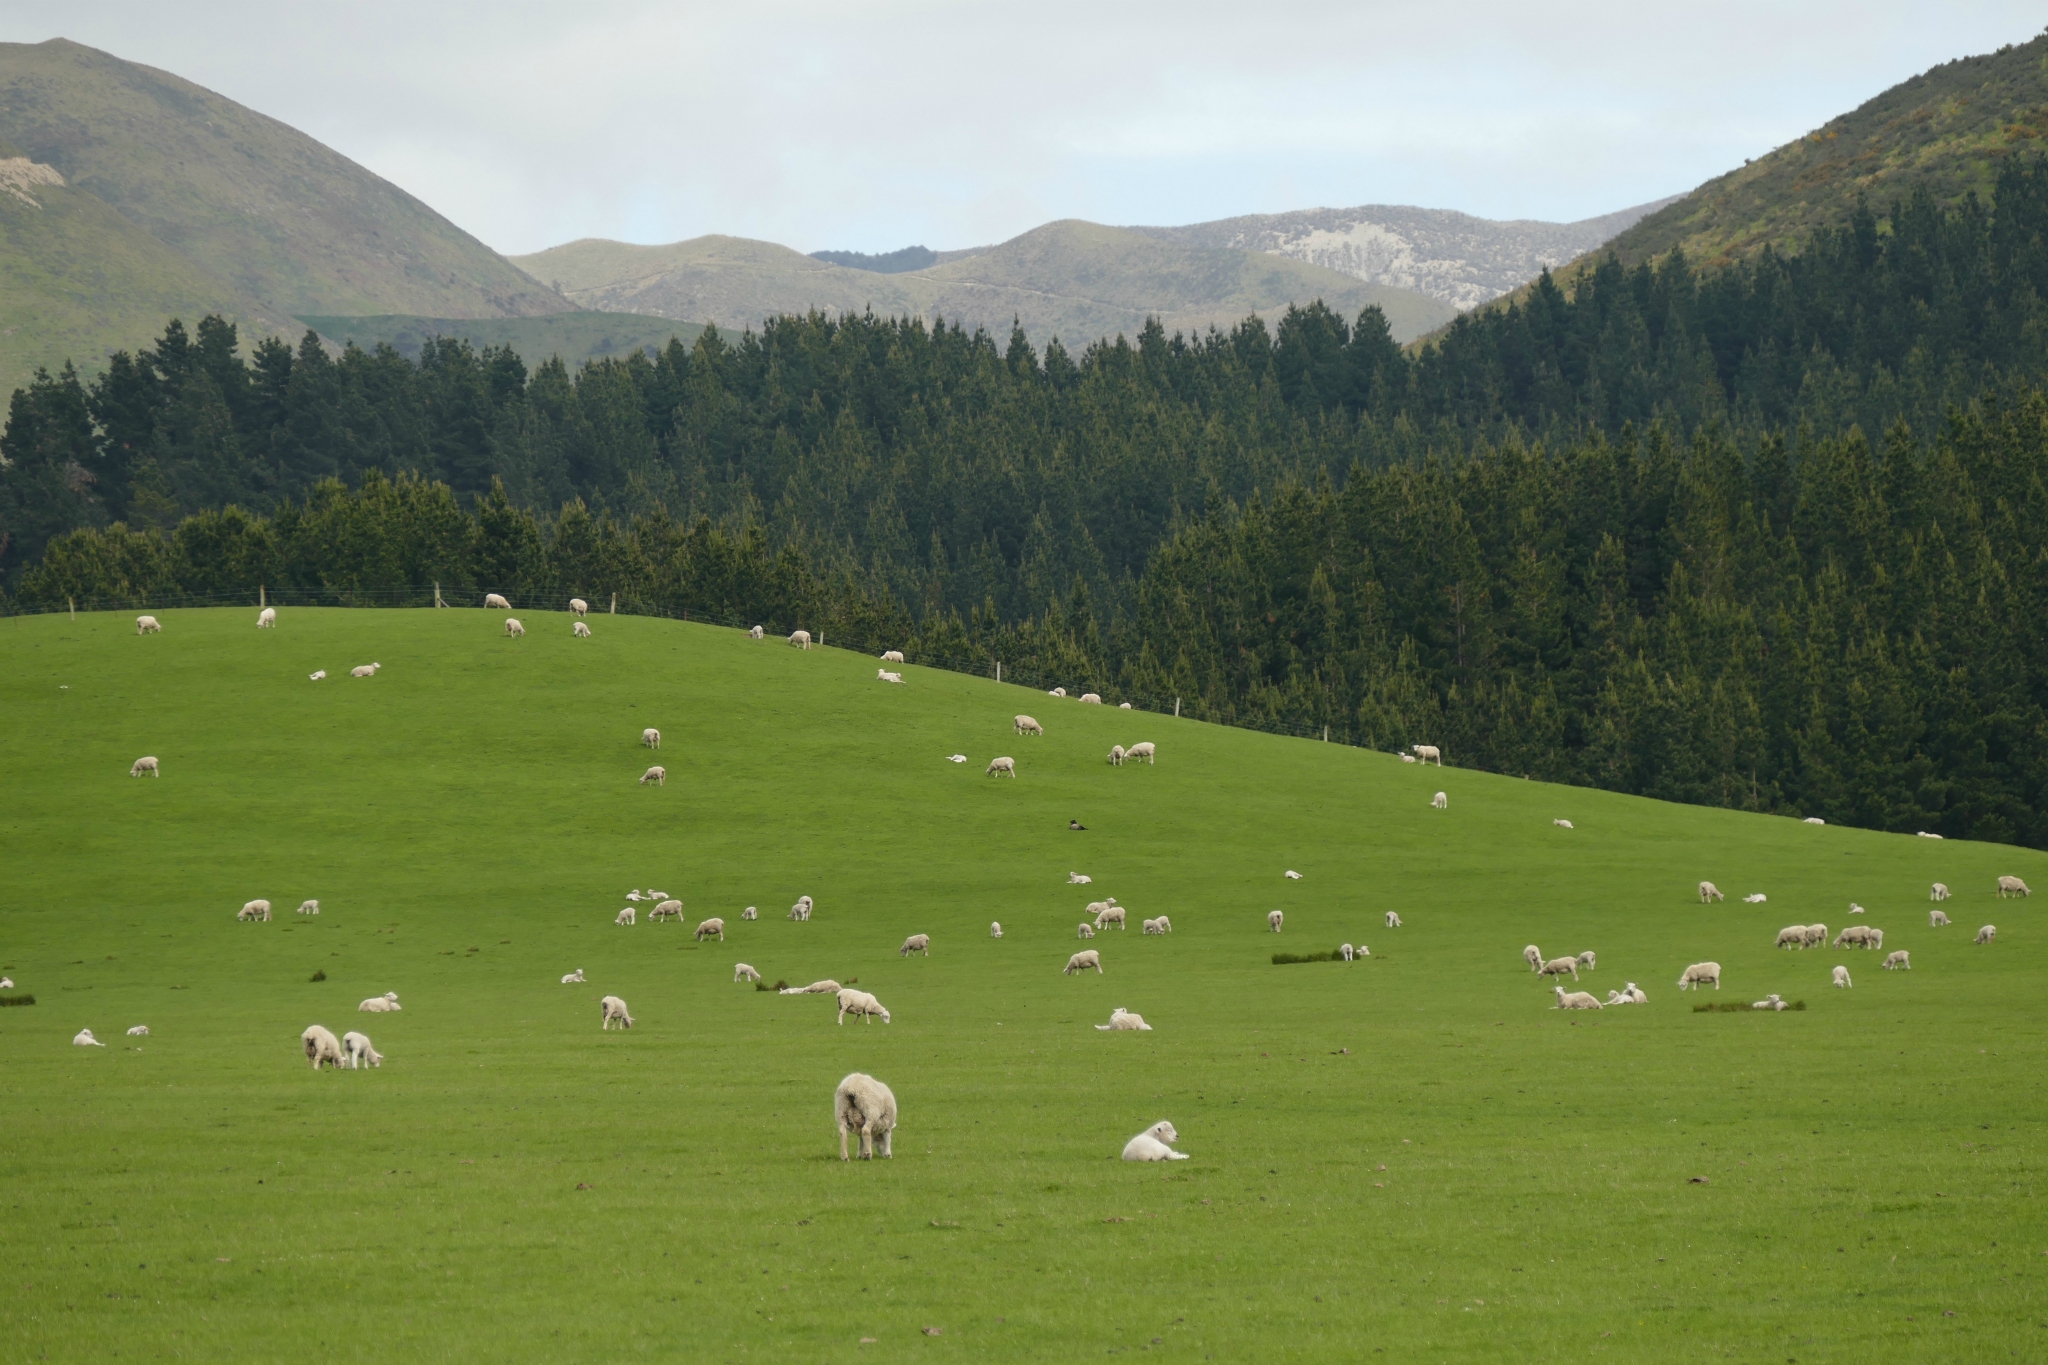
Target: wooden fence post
column 262, row 596
column 1176, row 708
column 73, row 604
column 615, row 604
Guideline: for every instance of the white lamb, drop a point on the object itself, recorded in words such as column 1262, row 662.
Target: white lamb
column 626, row 917
column 6, row 983
column 386, row 1003
column 892, row 656
column 613, row 1011
column 827, row 987
column 1057, row 692
column 1407, row 758
column 139, row 1031
column 579, row 606
column 916, row 943
column 514, row 627
column 757, row 633
column 657, row 774
column 309, row 907
column 711, row 928
column 1122, row 1020
column 1161, row 925
column 1936, row 920
column 1576, row 1000
column 358, row 1053
column 800, row 638
column 144, row 765
column 1769, row 1002
column 1589, row 960
column 1755, row 898
column 147, row 625
column 1078, row 879
column 1938, row 892
column 1856, row 909
column 2012, row 886
column 1898, row 960
column 1533, row 955
column 742, row 972
column 750, row 913
column 1291, row 875
column 1082, row 961
column 884, row 675
column 1144, row 749
column 266, row 619
column 1841, row 977
column 254, row 910
column 1425, row 752
column 1927, row 835
column 1084, row 930
column 997, row 767
column 364, row 670
column 1117, row 755
column 1441, row 801
column 1699, row 974
column 580, row 631
column 1092, row 698
column 84, row 1038
column 995, row 928
column 492, row 599
column 1150, row 1145
column 651, row 737
column 1710, row 892
column 1558, row 966
column 1562, row 824
column 1025, row 725
column 316, row 675
column 574, row 978
column 1124, row 706
column 1347, row 952
column 801, row 911
column 1631, row 994
column 1815, row 820
column 1274, row 920
column 1986, row 934
column 322, row 1048
column 864, row 1105
column 860, row 1003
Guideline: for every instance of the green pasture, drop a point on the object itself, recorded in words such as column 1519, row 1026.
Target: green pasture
column 1410, row 1158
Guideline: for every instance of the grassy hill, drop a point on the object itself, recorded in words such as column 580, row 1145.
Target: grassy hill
column 575, row 337
column 1411, row 1154
column 1076, row 280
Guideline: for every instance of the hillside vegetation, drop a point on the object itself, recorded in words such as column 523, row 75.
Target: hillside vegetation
column 1413, row 1157
column 570, row 337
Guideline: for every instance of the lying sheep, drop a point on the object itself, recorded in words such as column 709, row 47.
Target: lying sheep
column 1275, row 920
column 827, row 987
column 860, row 1003
column 1755, row 898
column 492, row 599
column 1630, row 995
column 1589, row 960
column 668, row 909
column 800, row 638
column 999, row 766
column 1161, row 925
column 1291, row 875
column 1425, row 752
column 884, row 675
column 1025, row 725
column 1084, row 930
column 364, row 670
column 626, row 918
column 1532, row 955
column 579, row 630
column 1407, row 758
column 1986, row 934
column 6, row 983
column 1841, row 977
column 1117, row 755
column 1936, row 920
column 1441, row 801
column 1938, row 892
column 1150, row 1145
column 801, row 911
column 1078, row 879
column 1122, row 1020
column 711, row 928
column 750, row 913
column 316, row 675
column 84, row 1038
column 1699, row 974
column 613, row 1011
column 322, row 1048
column 1792, row 936
column 2012, row 886
column 742, row 972
column 266, row 619
column 514, row 628
column 1558, row 966
column 144, row 765
column 1856, row 909
column 254, row 910
column 579, row 607
column 1144, row 749
column 309, row 907
column 147, row 625
column 1924, row 834
column 1898, row 960
column 1082, row 961
column 1092, row 698
column 574, row 978
column 1057, row 692
column 995, row 928
column 1393, row 920
column 357, row 1052
column 1710, row 892
column 1769, row 1002
column 651, row 737
column 386, row 1003
column 916, row 943
column 657, row 774
column 892, row 656
column 139, row 1031
column 864, row 1105
column 1576, row 1000
column 1562, row 824
column 1815, row 820
column 1124, row 706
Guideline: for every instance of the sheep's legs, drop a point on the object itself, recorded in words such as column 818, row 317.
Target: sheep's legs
column 885, row 1144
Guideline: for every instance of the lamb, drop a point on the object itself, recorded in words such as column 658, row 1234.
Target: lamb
column 626, row 918
column 1124, row 706
column 1111, row 914
column 892, row 656
column 1856, row 909
column 316, row 675
column 148, row 625
column 827, row 987
column 1534, row 957
column 1755, row 898
column 1630, row 994
column 357, row 1051
column 613, row 1010
column 1558, row 966
column 1161, row 925
column 999, row 766
column 757, row 633
column 1936, row 920
column 1091, row 698
column 1441, row 801
column 1057, row 692
column 916, row 943
column 266, row 619
column 861, row 1003
column 1842, row 981
column 1986, row 934
column 1588, row 960
column 651, row 737
column 1710, row 892
column 309, row 907
column 1291, row 875
column 1577, row 1000
column 711, row 928
column 146, row 764
column 1769, row 1002
column 386, row 1003
column 1393, row 920
column 1084, row 930
column 1150, row 1145
column 514, row 627
column 364, row 670
column 1938, row 892
column 1407, row 758
column 580, row 631
column 657, row 774
column 995, row 928
column 574, row 978
column 84, row 1038
column 1082, row 961
column 1078, row 879
column 322, row 1048
column 2012, row 886
column 1144, row 749
column 1274, row 920
column 1122, row 1020
column 801, row 911
column 1924, row 834
column 750, row 913
column 1425, row 752
column 1562, row 824
column 1026, row 725
column 1792, row 936
column 742, row 972
column 139, row 1031
column 884, row 675
column 1815, row 820
column 1347, row 952
column 1117, row 755
column 668, row 909
column 1898, row 960
column 1699, row 974
column 255, row 910
column 6, row 983
column 800, row 638
column 864, row 1105
column 492, row 599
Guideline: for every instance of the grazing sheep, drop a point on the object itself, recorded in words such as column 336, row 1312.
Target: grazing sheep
column 1588, row 960
column 1898, row 960
column 1113, row 915
column 1291, row 875
column 2012, row 886
column 1082, row 961
column 84, row 1038
column 1986, row 934
column 613, row 1011
column 1393, row 920
column 997, row 767
column 801, row 911
column 580, row 631
column 1116, row 755
column 1562, row 824
column 309, row 907
column 139, row 1031
column 1631, row 994
column 1026, row 725
column 742, row 972
column 266, row 619
column 147, row 625
column 322, row 1048
column 1816, row 934
column 668, row 909
column 386, row 1003
column 255, row 910
column 1699, row 974
column 826, row 987
column 1274, row 920
column 1558, row 966
column 1769, row 1002
column 657, row 774
column 711, row 928
column 1577, row 1000
column 884, row 675
column 1841, row 978
column 626, row 917
column 750, row 913
column 358, row 1053
column 579, row 607
column 995, row 928
column 1122, row 1020
column 1425, row 752
column 364, row 670
column 1859, row 936
column 492, row 599
column 1347, row 952
column 1091, row 698
column 1792, row 936
column 574, row 978
column 1938, row 892
column 1150, row 1145
column 514, row 627
column 1532, row 955
column 1441, row 801
column 651, row 737
column 1084, row 930
column 800, row 638
column 1161, row 925
column 1710, row 892
column 864, row 1105
column 916, row 943
column 1144, row 749
column 1057, row 692
column 144, row 765
column 1936, row 920
column 1815, row 820
column 860, row 1003
column 757, row 633
column 892, row 656
column 316, row 675
column 1124, row 706
column 1755, row 898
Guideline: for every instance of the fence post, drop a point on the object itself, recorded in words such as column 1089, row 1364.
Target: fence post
column 437, row 594
column 262, row 596
column 1176, row 708
column 73, row 604
column 615, row 604
column 999, row 670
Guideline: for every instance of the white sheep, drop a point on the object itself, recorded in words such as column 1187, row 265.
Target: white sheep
column 1082, row 961
column 1117, row 755
column 1589, row 960
column 1936, row 920
column 1347, row 952
column 750, row 913
column 579, row 630
column 1924, row 834
column 884, row 675
column 800, row 638
column 626, row 917
column 668, row 909
column 146, row 764
column 1558, row 966
column 1124, row 706
column 711, row 928
column 1815, row 820
column 860, row 1003
column 1407, row 758
column 1122, row 1020
column 1291, row 875
column 2012, row 886
column 1078, row 879
column 1441, row 801
column 322, row 1048
column 574, row 978
column 1856, row 909
column 1859, row 936
column 316, row 675
column 1393, row 920
column 364, row 670
column 254, row 910
column 827, row 987
column 266, row 619
column 1425, row 752
column 1161, row 925
column 1144, row 749
column 6, row 983
column 757, row 633
column 1576, row 1000
column 1755, row 898
column 309, row 907
column 892, row 656
column 386, row 1003
column 1274, row 920
column 139, row 1031
column 514, row 627
column 1938, row 892
column 997, row 767
column 1111, row 914
column 147, row 625
column 801, row 911
column 84, row 1038
column 1562, row 824
column 916, row 943
column 358, row 1053
column 578, row 606
column 1630, row 994
column 1769, row 1002
column 657, row 774
column 1533, row 955
column 1986, row 934
column 497, row 600
column 742, row 972
column 1091, row 698
column 1898, row 960
column 864, row 1105
column 1084, row 930
column 1150, row 1145
column 651, row 737
column 1057, row 692
column 1841, row 978
column 1816, row 934
column 956, row 758
column 1699, row 974
column 1027, row 725
column 612, row 1010
column 1792, row 936
column 995, row 928
column 1710, row 892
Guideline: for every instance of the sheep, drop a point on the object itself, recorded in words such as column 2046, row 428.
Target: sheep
column 2012, row 886
column 1924, row 834
column 364, row 670
column 1084, row 930
column 1144, row 749
column 574, row 978
column 1755, row 898
column 1856, row 909
column 84, row 1038
column 651, row 737
column 860, row 1003
column 1699, row 974
column 800, row 638
column 1841, row 979
column 145, row 764
column 668, row 909
column 757, row 633
column 1113, row 914
column 1898, row 960
column 1986, row 934
column 1057, row 692
column 916, row 943
column 801, row 911
column 1441, row 801
column 254, row 910
column 1150, row 1145
column 995, row 928
column 1769, row 1002
column 492, row 599
column 1124, row 706
column 1588, row 960
column 1097, row 907
column 1532, row 955
column 1027, row 725
column 750, row 913
column 1274, row 920
column 864, row 1105
column 1710, row 892
column 613, row 1010
column 266, row 619
column 998, row 766
column 1091, row 698
column 148, row 625
column 386, row 1003
column 358, row 1052
column 742, row 972
column 826, row 987
column 1562, row 824
column 316, row 675
column 1630, row 994
column 1816, row 934
column 1859, row 935
column 711, row 928
column 1122, row 1020
column 1792, row 936
column 309, row 907
column 139, row 1031
column 1078, row 879
column 1815, row 820
column 1938, row 892
column 1393, row 920
column 1936, row 920
column 1161, row 925
column 1577, row 1000
column 580, row 631
column 1346, row 951
column 1117, row 755
column 514, row 628
column 1407, row 758
column 657, row 774
column 884, row 675
column 322, row 1048
column 1291, row 875
column 1425, row 752
column 892, row 656
column 579, row 607
column 1558, row 966
column 626, row 918
column 1082, row 961
column 6, row 983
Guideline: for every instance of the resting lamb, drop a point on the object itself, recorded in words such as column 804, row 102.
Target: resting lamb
column 1122, row 1020
column 1150, row 1145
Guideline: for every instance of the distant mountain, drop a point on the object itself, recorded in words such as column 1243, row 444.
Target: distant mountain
column 1078, row 281
column 575, row 337
column 888, row 263
column 1454, row 257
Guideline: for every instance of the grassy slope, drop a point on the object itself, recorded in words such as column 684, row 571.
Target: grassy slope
column 1075, row 280
column 575, row 337
column 469, row 819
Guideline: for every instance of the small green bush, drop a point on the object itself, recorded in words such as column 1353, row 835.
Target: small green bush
column 320, row 975
column 17, row 1000
column 1285, row 959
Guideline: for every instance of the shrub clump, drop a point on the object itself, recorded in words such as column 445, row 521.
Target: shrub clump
column 1733, row 1007
column 1284, row 959
column 320, row 975
column 17, row 1000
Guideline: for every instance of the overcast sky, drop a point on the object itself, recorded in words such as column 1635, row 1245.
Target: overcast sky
column 876, row 125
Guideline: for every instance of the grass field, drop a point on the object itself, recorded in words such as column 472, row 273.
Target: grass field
column 1412, row 1158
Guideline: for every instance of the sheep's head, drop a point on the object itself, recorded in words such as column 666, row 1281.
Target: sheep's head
column 1163, row 1130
